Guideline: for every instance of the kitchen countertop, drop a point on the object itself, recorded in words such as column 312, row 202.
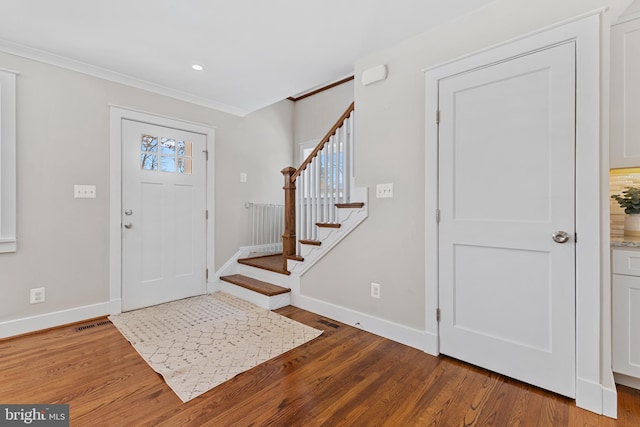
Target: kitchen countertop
column 625, row 242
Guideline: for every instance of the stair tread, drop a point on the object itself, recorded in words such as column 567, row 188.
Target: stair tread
column 328, row 224
column 271, row 262
column 351, row 205
column 264, row 288
column 310, row 242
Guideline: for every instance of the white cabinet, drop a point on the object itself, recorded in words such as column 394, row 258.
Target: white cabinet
column 625, row 94
column 626, row 312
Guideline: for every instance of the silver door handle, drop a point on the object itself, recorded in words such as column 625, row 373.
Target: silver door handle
column 128, row 212
column 560, row 237
column 128, row 225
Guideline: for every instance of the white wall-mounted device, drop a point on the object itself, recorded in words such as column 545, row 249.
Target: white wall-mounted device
column 374, row 74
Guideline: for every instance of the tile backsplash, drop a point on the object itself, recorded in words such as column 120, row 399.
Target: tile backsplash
column 618, row 180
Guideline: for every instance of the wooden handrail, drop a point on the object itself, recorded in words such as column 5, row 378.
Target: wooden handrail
column 322, row 142
column 290, row 174
column 322, row 89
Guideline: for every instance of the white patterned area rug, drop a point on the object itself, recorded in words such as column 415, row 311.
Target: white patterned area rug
column 198, row 343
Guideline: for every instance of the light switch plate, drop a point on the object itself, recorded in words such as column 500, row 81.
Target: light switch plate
column 84, row 191
column 243, row 177
column 384, row 191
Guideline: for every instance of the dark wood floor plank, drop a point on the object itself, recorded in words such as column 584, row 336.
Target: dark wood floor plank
column 507, row 408
column 628, row 404
column 344, row 377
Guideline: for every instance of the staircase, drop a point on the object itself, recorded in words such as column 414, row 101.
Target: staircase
column 321, row 208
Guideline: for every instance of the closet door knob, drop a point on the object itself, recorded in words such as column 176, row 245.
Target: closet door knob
column 560, row 237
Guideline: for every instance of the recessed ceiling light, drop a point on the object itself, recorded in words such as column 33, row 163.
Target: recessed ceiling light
column 197, row 67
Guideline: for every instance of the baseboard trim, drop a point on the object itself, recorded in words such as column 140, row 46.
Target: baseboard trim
column 609, row 402
column 243, row 252
column 26, row 325
column 384, row 328
column 431, row 344
column 115, row 306
column 227, row 266
column 597, row 398
column 589, row 395
column 213, row 287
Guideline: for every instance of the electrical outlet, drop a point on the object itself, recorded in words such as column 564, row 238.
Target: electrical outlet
column 36, row 296
column 375, row 290
column 384, row 191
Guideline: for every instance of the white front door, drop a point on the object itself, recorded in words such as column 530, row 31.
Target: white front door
column 163, row 214
column 506, row 185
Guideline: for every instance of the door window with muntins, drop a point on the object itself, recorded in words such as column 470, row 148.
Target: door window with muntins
column 165, row 154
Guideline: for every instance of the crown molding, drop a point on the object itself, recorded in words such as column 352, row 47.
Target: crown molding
column 105, row 74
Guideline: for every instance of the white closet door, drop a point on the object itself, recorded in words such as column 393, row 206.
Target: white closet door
column 506, row 162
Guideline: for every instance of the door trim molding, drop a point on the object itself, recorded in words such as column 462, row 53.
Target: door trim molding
column 585, row 33
column 116, row 115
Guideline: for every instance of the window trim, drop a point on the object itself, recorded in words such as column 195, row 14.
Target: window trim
column 8, row 239
column 306, row 146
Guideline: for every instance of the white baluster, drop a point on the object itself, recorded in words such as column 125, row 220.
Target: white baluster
column 326, row 181
column 309, row 195
column 349, row 159
column 316, row 197
column 329, row 174
column 301, row 215
column 334, row 175
column 343, row 161
column 325, row 200
column 307, row 202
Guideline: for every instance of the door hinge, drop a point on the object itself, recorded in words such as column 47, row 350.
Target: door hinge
column 438, row 216
column 206, row 154
column 206, row 214
column 206, row 273
column 437, row 314
column 575, row 238
column 437, row 117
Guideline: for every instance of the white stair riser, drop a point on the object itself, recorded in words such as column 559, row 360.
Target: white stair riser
column 264, row 275
column 345, row 213
column 324, row 232
column 264, row 301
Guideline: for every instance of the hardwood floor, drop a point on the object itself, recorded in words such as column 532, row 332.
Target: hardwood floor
column 345, row 377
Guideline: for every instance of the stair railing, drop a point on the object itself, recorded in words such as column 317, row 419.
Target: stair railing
column 312, row 191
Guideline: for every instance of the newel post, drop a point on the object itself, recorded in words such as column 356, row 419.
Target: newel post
column 289, row 236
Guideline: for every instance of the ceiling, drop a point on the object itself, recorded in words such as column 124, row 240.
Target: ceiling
column 254, row 52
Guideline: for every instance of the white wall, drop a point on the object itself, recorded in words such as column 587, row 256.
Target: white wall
column 316, row 114
column 259, row 145
column 388, row 248
column 63, row 139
